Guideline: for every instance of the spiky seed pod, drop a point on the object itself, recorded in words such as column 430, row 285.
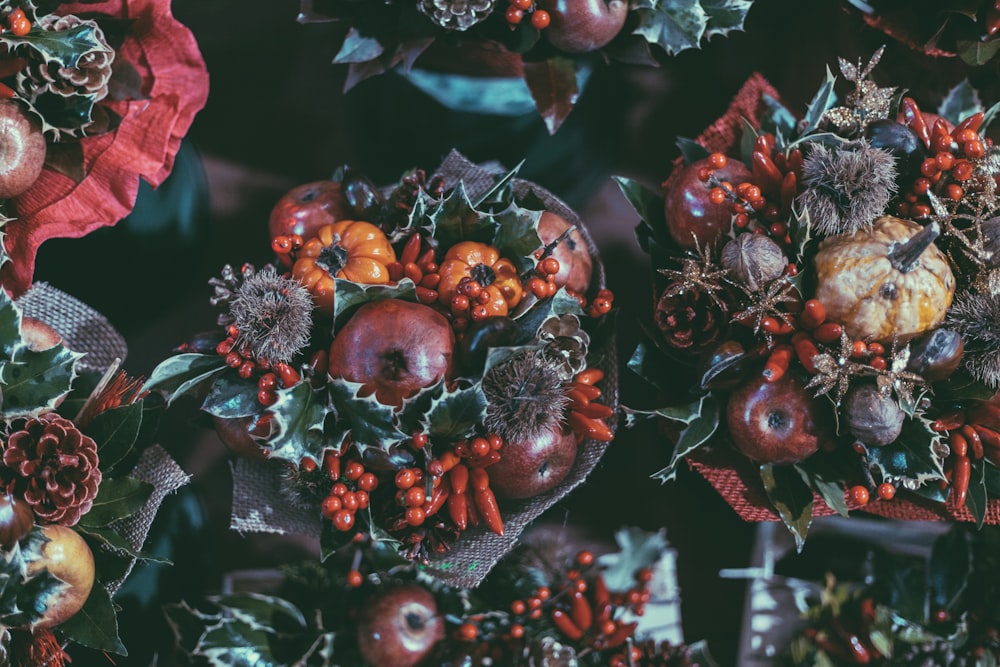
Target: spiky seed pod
column 846, row 187
column 525, row 397
column 976, row 317
column 273, row 315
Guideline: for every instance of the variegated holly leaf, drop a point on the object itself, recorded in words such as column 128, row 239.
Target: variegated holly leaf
column 725, row 16
column 63, row 115
column 232, row 398
column 675, row 25
column 107, row 537
column 454, row 415
column 62, row 48
column 358, row 48
column 455, row 219
column 299, row 416
column 363, row 419
column 96, row 624
column 32, row 382
column 501, row 193
column 10, row 326
column 517, row 235
column 637, row 550
column 702, row 421
column 23, row 598
column 348, row 295
column 532, row 314
column 181, row 373
column 914, row 458
column 791, row 497
column 412, row 416
column 822, row 101
column 961, row 102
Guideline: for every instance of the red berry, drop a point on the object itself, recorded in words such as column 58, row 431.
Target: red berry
column 354, row 579
column 368, row 482
column 405, row 478
column 944, row 161
column 415, row 516
column 717, row 160
column 859, row 495
column 518, row 607
column 585, row 558
column 419, row 440
column 886, row 491
column 343, row 520
column 514, row 15
column 468, row 632
column 522, row 4
column 717, row 196
column 267, row 398
column 540, row 19
column 517, row 631
column 330, row 506
column 354, row 471
column 307, row 464
column 415, row 496
column 954, row 191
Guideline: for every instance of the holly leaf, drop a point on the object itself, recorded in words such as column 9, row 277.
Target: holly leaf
column 701, row 418
column 181, row 373
column 62, row 48
column 675, row 25
column 975, row 52
column 825, row 482
column 115, row 431
column 454, row 415
column 502, row 191
column 961, row 386
column 651, row 365
column 232, row 398
column 116, row 499
column 791, row 497
column 454, row 219
column 538, row 312
column 332, row 540
column 299, row 415
column 96, row 624
column 10, row 325
column 108, row 537
column 916, row 455
column 412, row 416
column 358, row 48
column 976, row 498
column 517, row 235
column 554, row 88
column 725, row 16
column 822, row 101
column 367, row 422
column 961, row 102
column 348, row 295
column 691, row 150
column 32, row 382
column 637, row 550
column 948, row 569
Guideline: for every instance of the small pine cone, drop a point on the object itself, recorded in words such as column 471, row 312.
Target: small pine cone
column 690, row 319
column 565, row 345
column 53, row 466
column 456, row 14
column 89, row 77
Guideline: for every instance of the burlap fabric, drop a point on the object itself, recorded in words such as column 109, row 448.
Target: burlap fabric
column 259, row 507
column 733, row 476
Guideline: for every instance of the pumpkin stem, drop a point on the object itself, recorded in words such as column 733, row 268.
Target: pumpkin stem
column 904, row 256
column 333, row 258
column 482, row 274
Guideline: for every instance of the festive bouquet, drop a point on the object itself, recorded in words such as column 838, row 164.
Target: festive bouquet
column 542, row 605
column 430, row 367
column 80, row 482
column 831, row 280
column 93, row 96
column 547, row 43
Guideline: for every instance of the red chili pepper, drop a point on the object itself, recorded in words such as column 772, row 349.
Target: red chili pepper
column 789, row 188
column 973, row 122
column 805, row 350
column 914, row 119
column 813, row 314
column 594, row 410
column 593, row 429
column 395, row 270
column 775, row 326
column 765, row 172
column 437, row 500
column 828, row 332
column 448, row 460
column 426, row 260
column 777, row 363
column 958, row 444
column 458, row 510
column 6, row 92
column 470, row 510
column 764, row 143
column 565, row 625
column 426, row 296
column 949, row 421
column 582, row 614
column 577, row 399
column 975, row 442
column 960, row 479
column 602, row 595
column 992, row 20
column 590, row 376
column 431, row 281
column 591, row 392
column 795, row 162
column 459, row 479
column 480, row 479
column 411, row 251
column 621, row 635
column 486, row 503
column 413, row 272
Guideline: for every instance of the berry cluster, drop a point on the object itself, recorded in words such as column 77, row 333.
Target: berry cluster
column 463, row 466
column 271, row 376
column 17, row 23
column 349, row 492
column 540, row 19
column 473, row 301
column 543, row 284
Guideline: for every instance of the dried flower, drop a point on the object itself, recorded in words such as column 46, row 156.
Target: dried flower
column 977, row 318
column 565, row 344
column 525, row 397
column 273, row 315
column 846, row 187
column 53, row 466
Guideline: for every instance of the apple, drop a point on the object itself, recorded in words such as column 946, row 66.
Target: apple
column 775, row 422
column 38, row 335
column 306, row 208
column 235, row 435
column 535, row 466
column 692, row 219
column 16, row 520
column 22, row 149
column 67, row 557
column 579, row 26
column 399, row 626
column 394, row 348
column 576, row 266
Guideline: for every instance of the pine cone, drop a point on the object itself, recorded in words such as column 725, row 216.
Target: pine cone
column 456, row 14
column 565, row 345
column 690, row 319
column 53, row 466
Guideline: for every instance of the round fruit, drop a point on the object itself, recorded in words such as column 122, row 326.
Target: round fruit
column 16, row 520
column 306, row 208
column 22, row 149
column 67, row 557
column 901, row 142
column 692, row 220
column 775, row 422
column 578, row 26
column 394, row 348
column 530, row 468
column 399, row 626
column 871, row 417
column 576, row 266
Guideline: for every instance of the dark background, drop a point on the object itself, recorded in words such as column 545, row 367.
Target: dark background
column 277, row 117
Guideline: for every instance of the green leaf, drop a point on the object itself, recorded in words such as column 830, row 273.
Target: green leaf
column 181, row 373
column 455, row 415
column 60, row 47
column 652, row 366
column 648, row 204
column 366, row 421
column 961, row 386
column 822, row 101
column 10, row 324
column 725, row 16
column 517, row 235
column 976, row 499
column 791, row 497
column 913, row 455
column 412, row 415
column 702, row 419
column 977, row 53
column 358, row 48
column 961, row 102
column 748, row 139
column 637, row 549
column 348, row 295
column 675, row 25
column 240, row 633
column 116, row 499
column 299, row 415
column 332, row 540
column 232, row 397
column 106, row 536
column 554, row 88
column 96, row 625
column 948, row 569
column 502, row 191
column 32, row 381
column 691, row 151
column 115, row 431
column 260, row 611
column 455, row 220
column 826, row 483
column 989, row 116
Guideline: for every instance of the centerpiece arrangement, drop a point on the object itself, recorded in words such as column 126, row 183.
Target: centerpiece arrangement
column 431, row 366
column 831, row 282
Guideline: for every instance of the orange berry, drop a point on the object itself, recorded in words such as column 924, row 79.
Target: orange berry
column 468, row 632
column 859, row 495
column 886, row 491
column 717, row 160
column 354, row 579
column 540, row 19
column 514, row 15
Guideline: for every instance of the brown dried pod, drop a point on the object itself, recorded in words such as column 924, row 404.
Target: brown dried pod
column 871, row 417
column 936, row 354
column 754, row 259
column 16, row 520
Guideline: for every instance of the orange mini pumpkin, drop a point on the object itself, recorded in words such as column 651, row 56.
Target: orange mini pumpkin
column 351, row 249
column 497, row 276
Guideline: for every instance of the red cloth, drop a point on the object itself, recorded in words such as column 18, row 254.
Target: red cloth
column 175, row 82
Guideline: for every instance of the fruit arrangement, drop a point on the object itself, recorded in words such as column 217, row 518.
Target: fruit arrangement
column 87, row 107
column 540, row 606
column 80, row 486
column 419, row 370
column 547, row 42
column 830, row 282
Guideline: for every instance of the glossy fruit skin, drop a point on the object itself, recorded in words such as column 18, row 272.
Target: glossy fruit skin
column 775, row 422
column 16, row 520
column 234, row 433
column 306, row 208
column 394, row 348
column 903, row 143
column 692, row 219
column 579, row 26
column 576, row 266
column 399, row 627
column 469, row 259
column 530, row 468
column 67, row 557
column 22, row 149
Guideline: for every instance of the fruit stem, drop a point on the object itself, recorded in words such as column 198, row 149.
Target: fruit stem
column 904, row 256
